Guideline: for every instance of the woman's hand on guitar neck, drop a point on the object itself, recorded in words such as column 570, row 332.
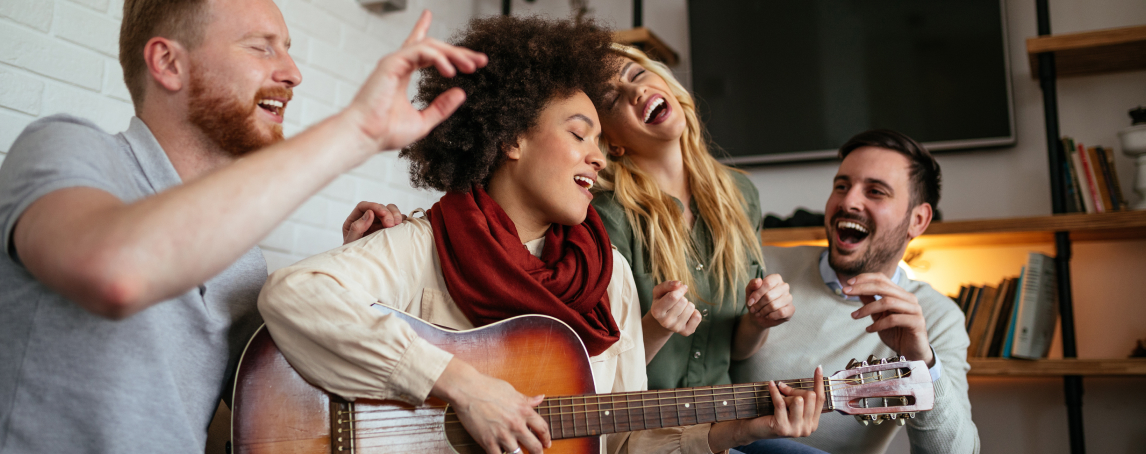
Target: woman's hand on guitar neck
column 498, row 417
column 797, row 414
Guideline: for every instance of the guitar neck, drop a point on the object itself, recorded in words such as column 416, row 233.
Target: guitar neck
column 596, row 414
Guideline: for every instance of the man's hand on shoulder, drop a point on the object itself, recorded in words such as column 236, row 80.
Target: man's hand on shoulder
column 370, row 217
column 896, row 316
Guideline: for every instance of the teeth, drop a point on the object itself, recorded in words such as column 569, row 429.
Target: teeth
column 584, row 182
column 272, row 103
column 653, row 106
column 851, row 225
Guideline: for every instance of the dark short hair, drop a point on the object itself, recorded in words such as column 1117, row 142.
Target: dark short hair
column 183, row 21
column 532, row 61
column 923, row 170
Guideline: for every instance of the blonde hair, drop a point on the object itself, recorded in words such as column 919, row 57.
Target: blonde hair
column 657, row 221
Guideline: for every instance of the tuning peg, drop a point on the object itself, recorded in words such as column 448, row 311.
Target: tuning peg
column 877, row 421
column 892, row 359
column 864, row 419
column 901, row 420
column 852, row 364
column 871, row 359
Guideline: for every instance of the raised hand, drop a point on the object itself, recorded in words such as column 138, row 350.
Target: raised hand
column 769, row 301
column 369, row 217
column 381, row 110
column 672, row 310
column 896, row 316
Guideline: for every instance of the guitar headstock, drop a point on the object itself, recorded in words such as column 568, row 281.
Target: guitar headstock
column 878, row 390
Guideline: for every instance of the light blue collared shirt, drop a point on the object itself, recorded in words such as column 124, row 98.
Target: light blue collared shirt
column 832, row 280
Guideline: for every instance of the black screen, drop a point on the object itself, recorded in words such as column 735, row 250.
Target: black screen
column 777, row 80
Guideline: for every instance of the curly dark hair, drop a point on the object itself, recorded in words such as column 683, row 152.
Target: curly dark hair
column 532, row 61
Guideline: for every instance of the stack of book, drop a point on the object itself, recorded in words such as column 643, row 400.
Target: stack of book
column 1092, row 180
column 1015, row 319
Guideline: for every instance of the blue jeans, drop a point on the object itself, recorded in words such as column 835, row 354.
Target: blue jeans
column 776, row 446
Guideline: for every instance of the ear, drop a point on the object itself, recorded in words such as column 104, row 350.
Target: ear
column 512, row 151
column 920, row 219
column 616, row 151
column 166, row 63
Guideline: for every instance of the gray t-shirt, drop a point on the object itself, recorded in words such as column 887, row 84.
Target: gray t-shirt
column 72, row 381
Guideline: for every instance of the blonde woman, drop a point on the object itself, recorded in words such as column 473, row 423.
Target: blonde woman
column 688, row 225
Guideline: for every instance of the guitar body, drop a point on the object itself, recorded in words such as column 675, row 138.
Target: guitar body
column 275, row 410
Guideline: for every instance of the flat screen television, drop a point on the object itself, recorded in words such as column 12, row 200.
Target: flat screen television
column 793, row 80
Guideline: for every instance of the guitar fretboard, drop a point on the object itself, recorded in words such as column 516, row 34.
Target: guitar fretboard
column 596, row 414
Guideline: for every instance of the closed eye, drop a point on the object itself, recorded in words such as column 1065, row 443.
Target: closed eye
column 579, row 138
column 638, row 74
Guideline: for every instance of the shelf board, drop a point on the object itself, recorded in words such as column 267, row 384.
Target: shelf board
column 1100, row 51
column 649, row 43
column 1056, row 367
column 1121, row 225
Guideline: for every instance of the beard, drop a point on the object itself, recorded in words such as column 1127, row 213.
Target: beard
column 882, row 250
column 229, row 121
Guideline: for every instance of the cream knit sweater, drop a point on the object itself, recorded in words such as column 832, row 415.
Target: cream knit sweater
column 823, row 332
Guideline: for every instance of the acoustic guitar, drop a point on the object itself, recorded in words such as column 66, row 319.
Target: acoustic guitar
column 275, row 410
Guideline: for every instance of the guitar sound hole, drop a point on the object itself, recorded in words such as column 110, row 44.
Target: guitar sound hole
column 460, row 440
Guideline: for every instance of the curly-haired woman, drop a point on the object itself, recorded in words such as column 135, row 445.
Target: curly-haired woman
column 513, row 235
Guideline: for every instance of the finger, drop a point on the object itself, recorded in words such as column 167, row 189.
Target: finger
column 466, row 60
column 772, row 281
column 540, row 429
column 821, row 396
column 873, row 288
column 888, row 306
column 780, row 406
column 392, row 216
column 783, row 313
column 420, row 29
column 664, row 287
column 754, row 296
column 358, row 228
column 777, row 292
column 442, row 106
column 911, row 322
column 796, row 409
column 693, row 322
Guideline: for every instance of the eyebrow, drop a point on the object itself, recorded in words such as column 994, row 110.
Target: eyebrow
column 625, row 68
column 865, row 180
column 581, row 117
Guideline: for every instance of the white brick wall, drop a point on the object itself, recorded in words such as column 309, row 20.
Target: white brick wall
column 60, row 56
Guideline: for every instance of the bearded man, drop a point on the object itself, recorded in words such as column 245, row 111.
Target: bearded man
column 853, row 300
column 130, row 274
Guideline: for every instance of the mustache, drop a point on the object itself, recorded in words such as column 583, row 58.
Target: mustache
column 274, row 92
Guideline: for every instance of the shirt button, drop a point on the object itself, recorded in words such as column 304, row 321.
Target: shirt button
column 696, row 355
column 839, row 291
column 704, row 312
column 699, row 266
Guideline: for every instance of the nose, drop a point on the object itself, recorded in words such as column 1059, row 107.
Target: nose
column 287, row 72
column 596, row 159
column 853, row 200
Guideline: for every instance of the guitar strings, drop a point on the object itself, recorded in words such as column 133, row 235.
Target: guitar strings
column 803, row 384
column 756, row 401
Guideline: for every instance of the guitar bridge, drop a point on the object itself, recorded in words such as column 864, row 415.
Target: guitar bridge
column 341, row 425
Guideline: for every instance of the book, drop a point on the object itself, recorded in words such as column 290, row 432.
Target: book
column 1106, row 162
column 1091, row 180
column 1035, row 320
column 959, row 299
column 1073, row 198
column 1124, row 204
column 1009, row 338
column 977, row 329
column 1002, row 321
column 972, row 300
column 988, row 326
column 1083, row 187
column 1096, row 163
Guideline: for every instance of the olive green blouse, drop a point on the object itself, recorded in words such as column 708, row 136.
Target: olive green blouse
column 703, row 358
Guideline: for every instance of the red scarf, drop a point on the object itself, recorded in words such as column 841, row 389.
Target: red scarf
column 492, row 276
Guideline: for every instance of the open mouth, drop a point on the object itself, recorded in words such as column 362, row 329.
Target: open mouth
column 851, row 232
column 584, row 182
column 656, row 110
column 274, row 106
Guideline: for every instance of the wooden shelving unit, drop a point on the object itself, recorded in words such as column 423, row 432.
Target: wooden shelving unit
column 644, row 39
column 1094, row 52
column 1056, row 367
column 1121, row 225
